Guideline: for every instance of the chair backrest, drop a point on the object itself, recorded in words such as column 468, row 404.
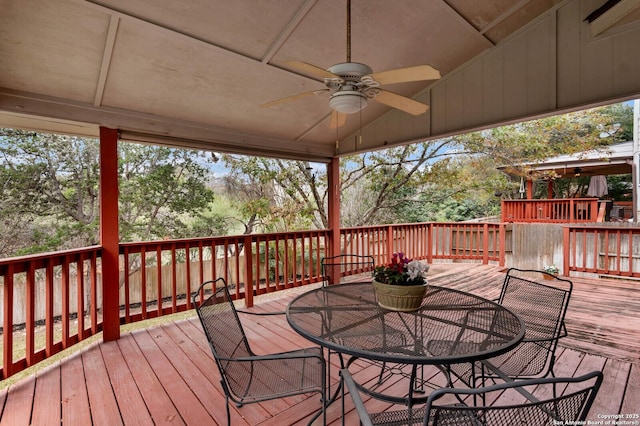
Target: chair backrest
column 224, row 331
column 336, row 267
column 571, row 405
column 542, row 305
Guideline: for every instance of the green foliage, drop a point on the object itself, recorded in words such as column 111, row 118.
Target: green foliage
column 620, row 187
column 50, row 192
column 49, row 183
column 158, row 188
column 276, row 195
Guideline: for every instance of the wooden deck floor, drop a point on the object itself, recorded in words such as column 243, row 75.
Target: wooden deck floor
column 166, row 374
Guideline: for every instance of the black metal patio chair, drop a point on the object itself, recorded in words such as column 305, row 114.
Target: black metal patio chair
column 542, row 305
column 245, row 376
column 334, row 267
column 521, row 402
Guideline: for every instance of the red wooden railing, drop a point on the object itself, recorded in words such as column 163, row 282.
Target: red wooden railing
column 482, row 242
column 63, row 290
column 31, row 286
column 556, row 210
column 610, row 250
column 52, row 301
column 174, row 269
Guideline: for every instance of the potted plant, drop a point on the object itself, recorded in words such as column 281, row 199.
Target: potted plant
column 550, row 271
column 401, row 284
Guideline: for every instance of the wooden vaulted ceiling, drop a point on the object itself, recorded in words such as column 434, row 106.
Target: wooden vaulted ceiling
column 194, row 73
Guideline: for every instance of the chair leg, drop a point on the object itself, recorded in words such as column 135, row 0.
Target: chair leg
column 384, row 364
column 228, row 411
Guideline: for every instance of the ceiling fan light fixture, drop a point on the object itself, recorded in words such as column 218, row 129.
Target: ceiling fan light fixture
column 348, row 101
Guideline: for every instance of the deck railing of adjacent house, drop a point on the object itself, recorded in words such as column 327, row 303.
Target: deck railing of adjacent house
column 555, row 210
column 605, row 250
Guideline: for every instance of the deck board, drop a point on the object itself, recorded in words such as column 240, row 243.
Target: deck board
column 17, row 408
column 160, row 407
column 75, row 401
column 46, row 401
column 102, row 400
column 631, row 402
column 165, row 374
column 189, row 407
column 124, row 386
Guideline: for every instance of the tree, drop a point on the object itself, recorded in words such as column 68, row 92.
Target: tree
column 375, row 186
column 276, row 195
column 50, row 187
column 453, row 178
column 50, row 183
column 162, row 191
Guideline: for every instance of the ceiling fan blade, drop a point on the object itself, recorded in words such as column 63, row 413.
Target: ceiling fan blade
column 313, row 70
column 404, row 75
column 401, row 102
column 337, row 120
column 293, row 98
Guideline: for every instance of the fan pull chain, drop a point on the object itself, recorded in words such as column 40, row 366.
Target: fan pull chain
column 337, row 140
column 360, row 127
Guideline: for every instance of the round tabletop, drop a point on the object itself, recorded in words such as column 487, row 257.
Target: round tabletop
column 450, row 327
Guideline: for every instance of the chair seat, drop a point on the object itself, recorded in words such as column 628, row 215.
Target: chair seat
column 259, row 379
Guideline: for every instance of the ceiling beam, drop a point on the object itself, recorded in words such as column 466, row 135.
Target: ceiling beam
column 513, row 9
column 613, row 15
column 288, row 30
column 193, row 38
column 106, row 59
column 464, row 21
column 173, row 132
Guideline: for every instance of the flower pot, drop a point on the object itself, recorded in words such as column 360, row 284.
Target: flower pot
column 402, row 298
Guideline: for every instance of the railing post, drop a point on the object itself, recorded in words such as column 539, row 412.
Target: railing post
column 503, row 242
column 571, row 211
column 248, row 272
column 7, row 336
column 333, row 182
column 109, row 235
column 389, row 242
column 485, row 244
column 566, row 250
column 430, row 243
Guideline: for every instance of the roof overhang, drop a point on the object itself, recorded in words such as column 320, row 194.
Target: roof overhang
column 193, row 74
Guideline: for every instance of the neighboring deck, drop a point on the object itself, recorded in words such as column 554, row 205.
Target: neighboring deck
column 166, row 375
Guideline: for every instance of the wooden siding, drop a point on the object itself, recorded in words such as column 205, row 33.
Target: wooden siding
column 165, row 374
column 552, row 65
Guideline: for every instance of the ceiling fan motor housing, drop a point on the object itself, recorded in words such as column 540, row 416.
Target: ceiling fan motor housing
column 348, row 101
column 350, row 70
column 349, row 97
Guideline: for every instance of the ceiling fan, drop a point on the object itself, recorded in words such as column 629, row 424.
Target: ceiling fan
column 351, row 85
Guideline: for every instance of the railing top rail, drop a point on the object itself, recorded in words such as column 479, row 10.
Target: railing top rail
column 549, row 200
column 221, row 239
column 422, row 224
column 46, row 256
column 608, row 226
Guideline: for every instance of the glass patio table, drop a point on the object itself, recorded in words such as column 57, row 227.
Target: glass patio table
column 450, row 327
